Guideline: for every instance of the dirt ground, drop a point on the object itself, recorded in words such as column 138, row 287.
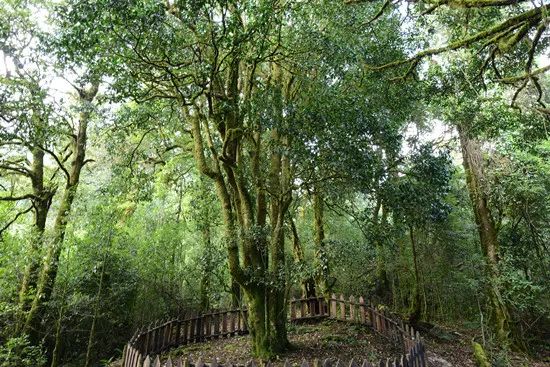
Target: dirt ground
column 326, row 339
column 446, row 347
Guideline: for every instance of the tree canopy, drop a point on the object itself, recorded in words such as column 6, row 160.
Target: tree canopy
column 165, row 158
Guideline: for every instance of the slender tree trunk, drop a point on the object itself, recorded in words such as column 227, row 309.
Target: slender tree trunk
column 49, row 269
column 308, row 283
column 91, row 335
column 473, row 166
column 58, row 331
column 41, row 204
column 382, row 285
column 319, row 240
column 206, row 267
column 416, row 304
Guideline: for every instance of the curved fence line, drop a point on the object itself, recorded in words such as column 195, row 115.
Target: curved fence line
column 145, row 347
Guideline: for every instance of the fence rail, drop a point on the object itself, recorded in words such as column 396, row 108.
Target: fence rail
column 145, row 347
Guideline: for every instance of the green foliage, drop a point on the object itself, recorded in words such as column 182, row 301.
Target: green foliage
column 18, row 352
column 145, row 238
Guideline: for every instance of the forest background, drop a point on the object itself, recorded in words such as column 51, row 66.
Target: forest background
column 158, row 158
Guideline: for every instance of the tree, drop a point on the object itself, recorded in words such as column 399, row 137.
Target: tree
column 417, row 201
column 508, row 36
column 44, row 130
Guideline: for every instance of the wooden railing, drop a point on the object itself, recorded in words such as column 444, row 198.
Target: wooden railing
column 161, row 337
column 145, row 347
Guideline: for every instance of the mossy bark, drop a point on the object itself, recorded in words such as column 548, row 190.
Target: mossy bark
column 251, row 172
column 480, row 356
column 319, row 240
column 308, row 283
column 416, row 309
column 48, row 272
column 41, row 203
column 475, row 178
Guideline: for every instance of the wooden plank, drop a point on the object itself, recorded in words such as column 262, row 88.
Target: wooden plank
column 171, row 333
column 352, row 308
column 422, row 355
column 224, row 323
column 157, row 362
column 232, row 323
column 199, row 335
column 245, row 321
column 136, row 359
column 206, row 330
column 177, row 339
column 332, row 311
column 342, row 307
column 362, row 310
column 124, row 352
column 216, row 320
column 292, row 309
column 186, row 331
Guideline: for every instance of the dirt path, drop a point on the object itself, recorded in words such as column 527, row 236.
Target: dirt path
column 327, row 339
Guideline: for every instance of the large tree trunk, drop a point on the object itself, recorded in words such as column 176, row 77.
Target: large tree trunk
column 247, row 245
column 473, row 166
column 50, row 266
column 41, row 203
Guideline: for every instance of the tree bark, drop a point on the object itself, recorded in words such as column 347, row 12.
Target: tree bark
column 416, row 304
column 319, row 240
column 308, row 283
column 473, row 166
column 50, row 266
column 41, row 203
column 382, row 288
column 91, row 335
column 206, row 267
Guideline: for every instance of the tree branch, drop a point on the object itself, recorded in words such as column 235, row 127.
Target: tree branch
column 14, row 219
column 525, row 20
column 58, row 161
column 18, row 198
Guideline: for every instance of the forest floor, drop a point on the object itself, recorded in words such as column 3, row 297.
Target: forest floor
column 337, row 340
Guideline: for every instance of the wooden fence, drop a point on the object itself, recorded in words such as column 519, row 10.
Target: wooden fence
column 145, row 347
column 163, row 336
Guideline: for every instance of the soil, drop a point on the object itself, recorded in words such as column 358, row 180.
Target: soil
column 446, row 347
column 321, row 340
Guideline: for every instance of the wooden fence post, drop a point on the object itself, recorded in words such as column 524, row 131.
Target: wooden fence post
column 224, row 323
column 332, row 312
column 163, row 335
column 342, row 307
column 216, row 321
column 352, row 308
